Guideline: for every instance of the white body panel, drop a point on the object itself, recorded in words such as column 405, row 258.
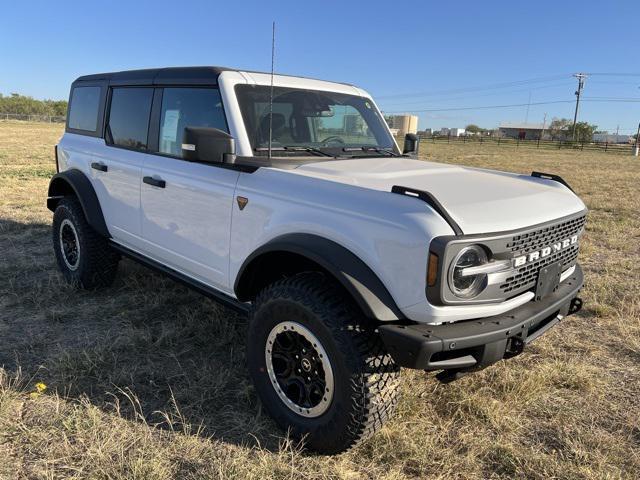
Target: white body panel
column 195, row 226
column 186, row 225
column 118, row 189
column 480, row 201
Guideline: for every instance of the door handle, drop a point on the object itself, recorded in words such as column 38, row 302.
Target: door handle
column 99, row 166
column 154, row 181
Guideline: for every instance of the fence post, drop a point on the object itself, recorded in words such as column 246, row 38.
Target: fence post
column 606, row 145
column 449, row 138
column 464, row 139
column 582, row 147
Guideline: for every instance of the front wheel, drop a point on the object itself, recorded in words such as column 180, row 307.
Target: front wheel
column 319, row 369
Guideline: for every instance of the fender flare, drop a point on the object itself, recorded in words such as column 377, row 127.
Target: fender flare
column 351, row 272
column 75, row 182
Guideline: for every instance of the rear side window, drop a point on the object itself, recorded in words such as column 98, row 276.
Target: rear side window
column 188, row 107
column 129, row 117
column 83, row 111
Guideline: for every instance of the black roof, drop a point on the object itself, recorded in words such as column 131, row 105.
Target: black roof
column 166, row 76
column 160, row 76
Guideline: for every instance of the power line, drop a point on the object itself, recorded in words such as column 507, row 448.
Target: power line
column 464, row 97
column 483, row 107
column 616, row 74
column 477, row 88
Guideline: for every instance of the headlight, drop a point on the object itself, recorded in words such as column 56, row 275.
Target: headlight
column 468, row 286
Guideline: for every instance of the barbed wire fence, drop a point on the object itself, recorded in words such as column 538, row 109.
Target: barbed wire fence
column 501, row 141
column 32, row 118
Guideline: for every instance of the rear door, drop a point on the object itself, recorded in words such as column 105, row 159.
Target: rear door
column 117, row 164
column 186, row 206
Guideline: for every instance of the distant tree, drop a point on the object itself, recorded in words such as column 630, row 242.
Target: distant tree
column 584, row 131
column 562, row 129
column 23, row 105
column 474, row 128
column 559, row 127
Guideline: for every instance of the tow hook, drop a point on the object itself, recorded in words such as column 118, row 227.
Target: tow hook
column 576, row 306
column 515, row 346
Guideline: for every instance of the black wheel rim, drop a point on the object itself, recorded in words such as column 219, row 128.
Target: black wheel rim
column 299, row 369
column 69, row 244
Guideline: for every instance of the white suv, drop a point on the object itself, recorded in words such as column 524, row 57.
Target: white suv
column 289, row 199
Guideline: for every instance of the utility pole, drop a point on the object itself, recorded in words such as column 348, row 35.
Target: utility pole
column 581, row 77
column 544, row 124
column 637, row 149
column 526, row 117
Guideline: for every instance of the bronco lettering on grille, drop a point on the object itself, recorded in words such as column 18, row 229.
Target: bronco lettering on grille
column 544, row 252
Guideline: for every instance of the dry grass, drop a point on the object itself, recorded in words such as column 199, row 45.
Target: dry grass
column 146, row 378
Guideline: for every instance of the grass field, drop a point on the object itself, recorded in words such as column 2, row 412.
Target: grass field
column 146, row 379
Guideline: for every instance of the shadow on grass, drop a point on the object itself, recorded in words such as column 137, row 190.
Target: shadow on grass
column 147, row 347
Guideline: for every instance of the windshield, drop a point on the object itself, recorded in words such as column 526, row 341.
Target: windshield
column 316, row 120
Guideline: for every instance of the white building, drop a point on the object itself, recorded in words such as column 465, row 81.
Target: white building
column 456, row 132
column 612, row 138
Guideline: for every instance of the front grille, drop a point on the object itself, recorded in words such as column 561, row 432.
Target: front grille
column 526, row 276
column 532, row 241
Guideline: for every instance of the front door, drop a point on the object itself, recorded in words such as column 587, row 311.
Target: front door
column 186, row 206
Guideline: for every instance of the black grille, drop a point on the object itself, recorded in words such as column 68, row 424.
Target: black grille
column 527, row 275
column 532, row 241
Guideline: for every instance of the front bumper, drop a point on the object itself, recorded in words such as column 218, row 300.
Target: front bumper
column 475, row 344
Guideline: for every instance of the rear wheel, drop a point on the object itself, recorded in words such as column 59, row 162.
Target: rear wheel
column 319, row 368
column 83, row 256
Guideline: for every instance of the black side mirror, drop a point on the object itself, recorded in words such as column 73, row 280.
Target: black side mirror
column 411, row 144
column 207, row 145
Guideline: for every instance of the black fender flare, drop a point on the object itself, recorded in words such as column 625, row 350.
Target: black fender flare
column 75, row 182
column 351, row 272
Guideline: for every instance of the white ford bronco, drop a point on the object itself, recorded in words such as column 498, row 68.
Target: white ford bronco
column 289, row 199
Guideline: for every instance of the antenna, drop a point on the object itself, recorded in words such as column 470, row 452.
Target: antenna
column 273, row 55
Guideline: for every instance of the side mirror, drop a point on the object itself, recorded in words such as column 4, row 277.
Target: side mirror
column 207, row 145
column 411, row 144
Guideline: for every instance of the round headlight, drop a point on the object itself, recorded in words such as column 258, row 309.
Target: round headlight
column 467, row 286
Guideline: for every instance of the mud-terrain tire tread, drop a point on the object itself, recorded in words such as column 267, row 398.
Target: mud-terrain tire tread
column 374, row 380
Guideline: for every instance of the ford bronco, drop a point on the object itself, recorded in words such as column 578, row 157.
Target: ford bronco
column 288, row 198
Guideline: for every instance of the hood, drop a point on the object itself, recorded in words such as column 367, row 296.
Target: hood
column 480, row 201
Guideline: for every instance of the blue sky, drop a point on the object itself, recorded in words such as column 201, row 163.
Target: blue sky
column 414, row 56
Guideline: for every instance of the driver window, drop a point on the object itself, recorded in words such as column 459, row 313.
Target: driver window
column 188, row 107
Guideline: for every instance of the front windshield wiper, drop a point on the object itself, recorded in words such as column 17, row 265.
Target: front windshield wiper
column 295, row 148
column 371, row 149
column 317, row 151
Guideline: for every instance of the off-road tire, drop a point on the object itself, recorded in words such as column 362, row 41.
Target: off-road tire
column 366, row 379
column 97, row 262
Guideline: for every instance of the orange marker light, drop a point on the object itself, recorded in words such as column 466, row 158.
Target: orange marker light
column 432, row 269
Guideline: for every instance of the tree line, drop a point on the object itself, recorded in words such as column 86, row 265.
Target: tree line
column 23, row 105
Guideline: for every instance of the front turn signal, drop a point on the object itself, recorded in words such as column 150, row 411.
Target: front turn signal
column 432, row 269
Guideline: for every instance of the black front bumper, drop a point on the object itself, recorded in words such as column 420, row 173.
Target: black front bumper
column 474, row 344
